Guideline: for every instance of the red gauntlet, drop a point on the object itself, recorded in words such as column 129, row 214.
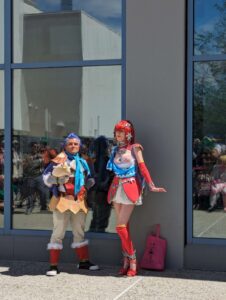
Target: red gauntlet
column 145, row 173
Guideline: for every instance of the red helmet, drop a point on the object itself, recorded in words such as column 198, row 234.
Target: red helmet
column 127, row 127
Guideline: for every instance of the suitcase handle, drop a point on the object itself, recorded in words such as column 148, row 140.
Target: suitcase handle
column 157, row 230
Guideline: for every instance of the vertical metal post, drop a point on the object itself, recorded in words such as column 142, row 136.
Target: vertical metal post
column 189, row 116
column 123, row 66
column 8, row 117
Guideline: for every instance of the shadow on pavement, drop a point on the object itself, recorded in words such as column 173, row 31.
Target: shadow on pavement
column 187, row 274
column 24, row 268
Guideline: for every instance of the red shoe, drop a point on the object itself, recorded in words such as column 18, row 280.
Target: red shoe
column 131, row 273
column 123, row 271
column 133, row 268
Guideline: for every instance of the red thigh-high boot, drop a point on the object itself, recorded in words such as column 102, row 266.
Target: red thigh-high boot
column 128, row 249
column 54, row 255
column 132, row 261
column 126, row 262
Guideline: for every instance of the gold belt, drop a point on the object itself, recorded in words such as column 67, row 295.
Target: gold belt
column 64, row 203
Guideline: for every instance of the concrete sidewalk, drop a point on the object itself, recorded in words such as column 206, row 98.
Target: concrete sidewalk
column 26, row 280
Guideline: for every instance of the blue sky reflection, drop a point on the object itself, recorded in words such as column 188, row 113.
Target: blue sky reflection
column 108, row 12
column 206, row 18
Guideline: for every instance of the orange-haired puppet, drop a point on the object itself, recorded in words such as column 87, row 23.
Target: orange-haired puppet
column 125, row 192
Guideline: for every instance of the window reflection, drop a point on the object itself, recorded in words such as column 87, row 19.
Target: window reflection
column 48, row 104
column 209, row 150
column 1, row 31
column 53, row 102
column 66, row 30
column 27, row 175
column 97, row 196
column 1, row 148
column 210, row 27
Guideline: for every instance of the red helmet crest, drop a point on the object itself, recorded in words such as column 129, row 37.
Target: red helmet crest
column 127, row 127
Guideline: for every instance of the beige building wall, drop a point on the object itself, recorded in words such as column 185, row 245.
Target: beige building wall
column 155, row 102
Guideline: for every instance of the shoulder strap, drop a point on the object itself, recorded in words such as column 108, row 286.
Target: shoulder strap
column 137, row 146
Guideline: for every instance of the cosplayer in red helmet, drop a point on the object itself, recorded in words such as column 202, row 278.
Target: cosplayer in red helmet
column 125, row 192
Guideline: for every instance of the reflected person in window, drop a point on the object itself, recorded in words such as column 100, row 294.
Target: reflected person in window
column 32, row 185
column 101, row 208
column 1, row 175
column 68, row 176
column 218, row 185
column 125, row 192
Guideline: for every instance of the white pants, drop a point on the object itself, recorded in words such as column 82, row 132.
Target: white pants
column 60, row 223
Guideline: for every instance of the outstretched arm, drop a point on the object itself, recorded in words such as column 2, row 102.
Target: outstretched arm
column 144, row 171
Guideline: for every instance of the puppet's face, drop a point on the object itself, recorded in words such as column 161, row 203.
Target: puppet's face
column 120, row 136
column 72, row 146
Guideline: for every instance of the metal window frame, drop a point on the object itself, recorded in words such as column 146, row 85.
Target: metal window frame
column 191, row 60
column 2, row 66
column 8, row 67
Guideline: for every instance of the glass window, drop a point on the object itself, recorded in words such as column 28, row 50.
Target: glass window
column 1, row 31
column 210, row 27
column 48, row 104
column 1, row 147
column 209, row 149
column 66, row 30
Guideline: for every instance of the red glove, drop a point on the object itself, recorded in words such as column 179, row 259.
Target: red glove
column 145, row 173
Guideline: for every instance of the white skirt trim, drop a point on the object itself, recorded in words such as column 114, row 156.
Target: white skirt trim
column 121, row 197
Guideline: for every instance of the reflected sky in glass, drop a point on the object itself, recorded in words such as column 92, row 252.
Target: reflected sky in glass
column 109, row 12
column 209, row 22
column 206, row 14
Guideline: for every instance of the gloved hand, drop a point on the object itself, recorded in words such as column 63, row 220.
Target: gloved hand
column 156, row 189
column 62, row 179
column 89, row 183
column 51, row 179
column 57, row 180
